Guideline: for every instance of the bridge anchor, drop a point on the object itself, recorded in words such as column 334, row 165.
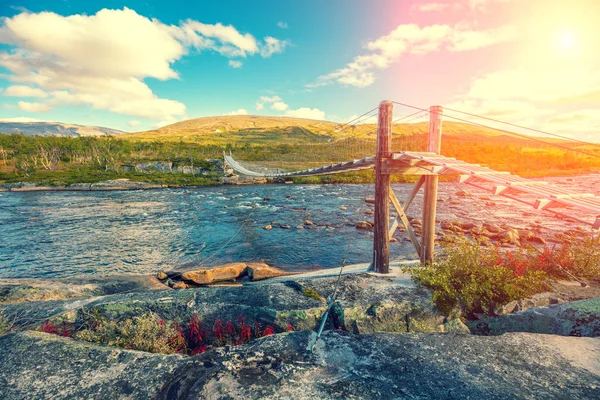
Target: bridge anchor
column 385, row 165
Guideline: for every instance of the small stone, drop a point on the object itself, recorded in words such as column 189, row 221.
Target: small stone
column 369, row 212
column 179, row 285
column 370, row 200
column 267, row 227
column 393, row 240
column 343, row 208
column 161, row 275
column 283, row 226
column 307, row 222
column 300, row 227
column 363, row 225
column 536, row 239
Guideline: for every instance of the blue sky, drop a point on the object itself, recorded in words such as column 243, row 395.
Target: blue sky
column 137, row 65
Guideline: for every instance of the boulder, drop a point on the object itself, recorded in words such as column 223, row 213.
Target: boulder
column 509, row 236
column 268, row 227
column 220, row 273
column 179, row 285
column 260, row 271
column 342, row 365
column 364, row 225
column 161, row 275
column 536, row 239
column 493, row 228
column 577, row 318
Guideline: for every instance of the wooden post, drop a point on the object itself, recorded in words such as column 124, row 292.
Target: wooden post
column 381, row 240
column 431, row 186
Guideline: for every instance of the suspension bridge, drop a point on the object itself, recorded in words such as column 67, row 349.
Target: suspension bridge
column 428, row 166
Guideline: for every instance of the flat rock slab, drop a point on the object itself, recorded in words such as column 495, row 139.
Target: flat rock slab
column 367, row 303
column 374, row 366
column 577, row 318
column 22, row 290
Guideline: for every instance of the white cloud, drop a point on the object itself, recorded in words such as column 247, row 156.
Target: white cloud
column 272, row 46
column 24, row 91
column 275, row 101
column 308, row 113
column 412, row 39
column 134, row 123
column 101, row 60
column 241, row 111
column 235, row 64
column 279, row 106
column 282, row 25
column 33, row 107
column 538, row 98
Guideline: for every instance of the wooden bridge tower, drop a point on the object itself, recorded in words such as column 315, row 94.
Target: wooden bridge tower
column 386, row 165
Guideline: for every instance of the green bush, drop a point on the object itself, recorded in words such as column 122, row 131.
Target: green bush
column 476, row 278
column 146, row 333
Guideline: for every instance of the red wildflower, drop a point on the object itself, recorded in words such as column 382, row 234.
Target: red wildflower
column 268, row 331
column 49, row 327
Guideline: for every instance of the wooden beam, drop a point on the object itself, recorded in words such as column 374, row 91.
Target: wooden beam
column 431, row 186
column 381, row 240
column 393, row 228
column 404, row 219
column 413, row 194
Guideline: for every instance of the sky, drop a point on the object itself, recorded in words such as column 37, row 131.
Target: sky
column 139, row 65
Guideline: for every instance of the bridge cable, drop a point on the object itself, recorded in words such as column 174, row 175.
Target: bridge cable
column 509, row 132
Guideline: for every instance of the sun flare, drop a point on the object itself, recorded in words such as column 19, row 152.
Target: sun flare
column 567, row 41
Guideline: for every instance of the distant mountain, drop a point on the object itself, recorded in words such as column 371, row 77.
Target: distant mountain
column 277, row 130
column 55, row 129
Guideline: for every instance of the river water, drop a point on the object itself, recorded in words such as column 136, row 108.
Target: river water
column 67, row 234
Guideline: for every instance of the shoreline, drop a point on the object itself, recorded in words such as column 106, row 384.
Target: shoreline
column 124, row 184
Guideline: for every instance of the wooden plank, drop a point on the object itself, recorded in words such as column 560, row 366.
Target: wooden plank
column 431, row 186
column 381, row 240
column 404, row 219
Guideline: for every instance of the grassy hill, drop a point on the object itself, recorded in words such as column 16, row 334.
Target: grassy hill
column 258, row 130
column 276, row 142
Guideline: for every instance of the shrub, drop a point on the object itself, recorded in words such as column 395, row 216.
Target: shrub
column 476, row 278
column 150, row 333
column 5, row 325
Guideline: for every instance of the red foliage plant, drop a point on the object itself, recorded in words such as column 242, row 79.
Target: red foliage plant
column 195, row 339
column 268, row 331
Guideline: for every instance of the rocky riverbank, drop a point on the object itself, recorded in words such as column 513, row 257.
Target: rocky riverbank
column 384, row 339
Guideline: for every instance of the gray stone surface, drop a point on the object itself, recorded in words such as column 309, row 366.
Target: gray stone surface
column 344, row 365
column 577, row 318
column 368, row 303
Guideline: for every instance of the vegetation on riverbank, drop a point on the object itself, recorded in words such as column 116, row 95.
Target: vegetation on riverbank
column 149, row 332
column 49, row 160
column 476, row 277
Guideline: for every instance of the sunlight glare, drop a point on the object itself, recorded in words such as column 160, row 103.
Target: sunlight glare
column 567, row 41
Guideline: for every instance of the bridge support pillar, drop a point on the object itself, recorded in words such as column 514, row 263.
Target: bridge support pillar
column 431, row 186
column 381, row 240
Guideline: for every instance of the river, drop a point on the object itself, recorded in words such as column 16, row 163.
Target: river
column 68, row 234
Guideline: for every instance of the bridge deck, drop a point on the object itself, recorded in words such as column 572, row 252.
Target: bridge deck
column 539, row 194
